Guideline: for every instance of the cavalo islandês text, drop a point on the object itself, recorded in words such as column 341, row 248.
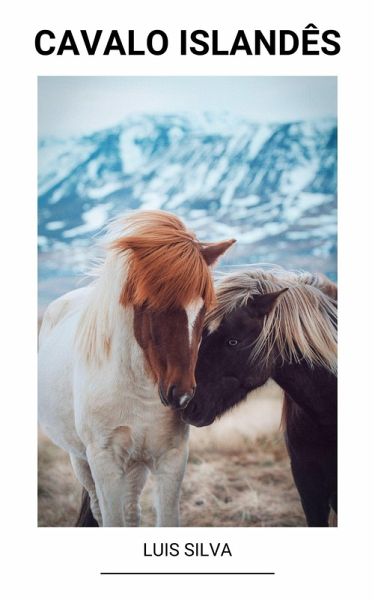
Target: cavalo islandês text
column 310, row 40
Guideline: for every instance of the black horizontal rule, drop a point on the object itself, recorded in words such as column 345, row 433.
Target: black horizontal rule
column 189, row 573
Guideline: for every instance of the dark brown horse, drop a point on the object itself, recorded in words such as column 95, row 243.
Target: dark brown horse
column 283, row 326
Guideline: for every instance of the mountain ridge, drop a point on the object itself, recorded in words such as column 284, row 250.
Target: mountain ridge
column 271, row 186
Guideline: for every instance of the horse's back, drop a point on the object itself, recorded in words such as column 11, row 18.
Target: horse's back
column 56, row 362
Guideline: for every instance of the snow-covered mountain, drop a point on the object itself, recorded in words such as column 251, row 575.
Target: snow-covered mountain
column 271, row 186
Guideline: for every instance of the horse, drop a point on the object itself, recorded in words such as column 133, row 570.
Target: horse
column 116, row 366
column 281, row 325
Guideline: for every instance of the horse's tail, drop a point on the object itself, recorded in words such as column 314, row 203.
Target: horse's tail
column 85, row 517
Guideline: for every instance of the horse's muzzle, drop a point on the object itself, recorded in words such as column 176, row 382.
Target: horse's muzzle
column 175, row 398
column 191, row 416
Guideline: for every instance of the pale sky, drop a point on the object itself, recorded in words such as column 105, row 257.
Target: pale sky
column 76, row 105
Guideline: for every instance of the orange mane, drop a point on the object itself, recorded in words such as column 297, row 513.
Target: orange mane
column 166, row 268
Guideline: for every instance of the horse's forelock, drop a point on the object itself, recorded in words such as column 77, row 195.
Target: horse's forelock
column 165, row 266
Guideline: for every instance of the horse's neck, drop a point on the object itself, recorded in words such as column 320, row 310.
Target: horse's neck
column 128, row 359
column 105, row 333
column 313, row 389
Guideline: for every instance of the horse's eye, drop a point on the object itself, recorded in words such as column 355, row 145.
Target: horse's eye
column 232, row 342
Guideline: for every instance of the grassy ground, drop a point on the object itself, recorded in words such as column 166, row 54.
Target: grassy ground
column 238, row 475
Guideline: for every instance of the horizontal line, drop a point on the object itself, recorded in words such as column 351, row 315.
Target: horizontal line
column 187, row 573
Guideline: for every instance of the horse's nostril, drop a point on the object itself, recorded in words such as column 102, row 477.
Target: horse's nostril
column 184, row 400
column 171, row 391
column 179, row 398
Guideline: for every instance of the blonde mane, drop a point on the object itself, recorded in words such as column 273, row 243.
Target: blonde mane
column 150, row 258
column 302, row 324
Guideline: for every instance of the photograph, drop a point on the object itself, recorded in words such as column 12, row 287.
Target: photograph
column 187, row 301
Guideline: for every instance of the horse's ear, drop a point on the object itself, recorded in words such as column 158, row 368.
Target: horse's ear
column 211, row 252
column 261, row 305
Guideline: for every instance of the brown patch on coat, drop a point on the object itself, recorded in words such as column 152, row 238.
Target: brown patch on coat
column 164, row 338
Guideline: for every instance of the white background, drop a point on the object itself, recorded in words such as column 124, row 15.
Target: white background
column 65, row 563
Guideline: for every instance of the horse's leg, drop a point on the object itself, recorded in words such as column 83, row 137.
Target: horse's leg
column 332, row 479
column 83, row 473
column 135, row 479
column 333, row 501
column 85, row 517
column 118, row 486
column 313, row 492
column 169, row 474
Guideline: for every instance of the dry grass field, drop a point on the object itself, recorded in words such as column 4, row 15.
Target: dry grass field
column 238, row 474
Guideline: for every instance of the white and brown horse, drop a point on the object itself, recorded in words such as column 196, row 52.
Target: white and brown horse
column 109, row 352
